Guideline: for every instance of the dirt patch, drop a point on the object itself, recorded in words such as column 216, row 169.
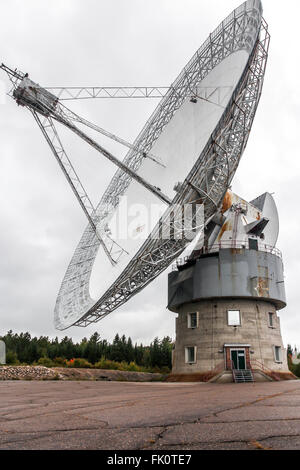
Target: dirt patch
column 198, row 377
column 109, row 375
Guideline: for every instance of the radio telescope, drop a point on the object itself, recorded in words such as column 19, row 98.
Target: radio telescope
column 195, row 137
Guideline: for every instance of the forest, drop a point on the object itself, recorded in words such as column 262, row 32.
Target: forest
column 121, row 354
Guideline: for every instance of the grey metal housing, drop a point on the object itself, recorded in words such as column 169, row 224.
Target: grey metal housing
column 230, row 273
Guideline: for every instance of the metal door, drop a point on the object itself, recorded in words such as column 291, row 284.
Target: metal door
column 238, row 359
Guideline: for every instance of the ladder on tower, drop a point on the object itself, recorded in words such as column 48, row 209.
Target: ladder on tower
column 242, row 375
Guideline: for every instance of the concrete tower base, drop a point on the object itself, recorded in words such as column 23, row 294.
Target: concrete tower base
column 256, row 342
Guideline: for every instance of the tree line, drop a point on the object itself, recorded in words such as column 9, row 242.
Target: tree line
column 22, row 348
column 293, row 353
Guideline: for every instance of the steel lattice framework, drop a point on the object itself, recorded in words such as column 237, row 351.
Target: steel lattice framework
column 212, row 174
column 206, row 184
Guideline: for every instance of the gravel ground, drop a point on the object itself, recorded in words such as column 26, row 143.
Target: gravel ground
column 28, row 373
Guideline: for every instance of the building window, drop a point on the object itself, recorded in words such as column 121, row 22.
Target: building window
column 277, row 353
column 190, row 354
column 234, row 317
column 253, row 244
column 271, row 320
column 192, row 320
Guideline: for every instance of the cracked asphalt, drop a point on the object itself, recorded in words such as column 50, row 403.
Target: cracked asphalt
column 62, row 415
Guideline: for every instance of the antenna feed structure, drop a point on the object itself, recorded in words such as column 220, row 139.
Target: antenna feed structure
column 30, row 94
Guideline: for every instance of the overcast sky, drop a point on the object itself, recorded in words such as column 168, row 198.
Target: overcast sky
column 125, row 43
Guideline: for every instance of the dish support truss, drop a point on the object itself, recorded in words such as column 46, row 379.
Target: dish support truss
column 207, row 182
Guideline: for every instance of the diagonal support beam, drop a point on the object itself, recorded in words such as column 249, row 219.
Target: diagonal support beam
column 49, row 131
column 60, row 117
column 75, row 118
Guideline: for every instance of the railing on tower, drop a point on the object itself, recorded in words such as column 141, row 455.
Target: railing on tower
column 223, row 244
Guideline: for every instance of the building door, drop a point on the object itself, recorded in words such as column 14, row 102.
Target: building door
column 238, row 359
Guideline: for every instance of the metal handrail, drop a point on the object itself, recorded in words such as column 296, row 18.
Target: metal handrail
column 264, row 369
column 242, row 244
column 212, row 373
column 226, row 244
column 219, row 367
column 230, row 365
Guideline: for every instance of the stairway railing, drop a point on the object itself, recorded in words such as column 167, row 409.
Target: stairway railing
column 212, row 373
column 259, row 365
column 230, row 366
column 235, row 372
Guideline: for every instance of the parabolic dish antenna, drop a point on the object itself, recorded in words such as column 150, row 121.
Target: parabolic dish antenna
column 197, row 135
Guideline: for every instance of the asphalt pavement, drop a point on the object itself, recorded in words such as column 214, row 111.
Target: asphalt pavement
column 134, row 416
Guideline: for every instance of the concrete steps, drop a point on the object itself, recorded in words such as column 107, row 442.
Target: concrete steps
column 240, row 376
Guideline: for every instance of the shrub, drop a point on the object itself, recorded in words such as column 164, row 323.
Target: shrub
column 124, row 366
column 45, row 361
column 296, row 369
column 79, row 363
column 60, row 361
column 107, row 364
column 133, row 367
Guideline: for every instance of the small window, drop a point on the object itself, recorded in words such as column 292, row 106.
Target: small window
column 192, row 320
column 234, row 317
column 271, row 320
column 253, row 244
column 277, row 351
column 190, row 355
